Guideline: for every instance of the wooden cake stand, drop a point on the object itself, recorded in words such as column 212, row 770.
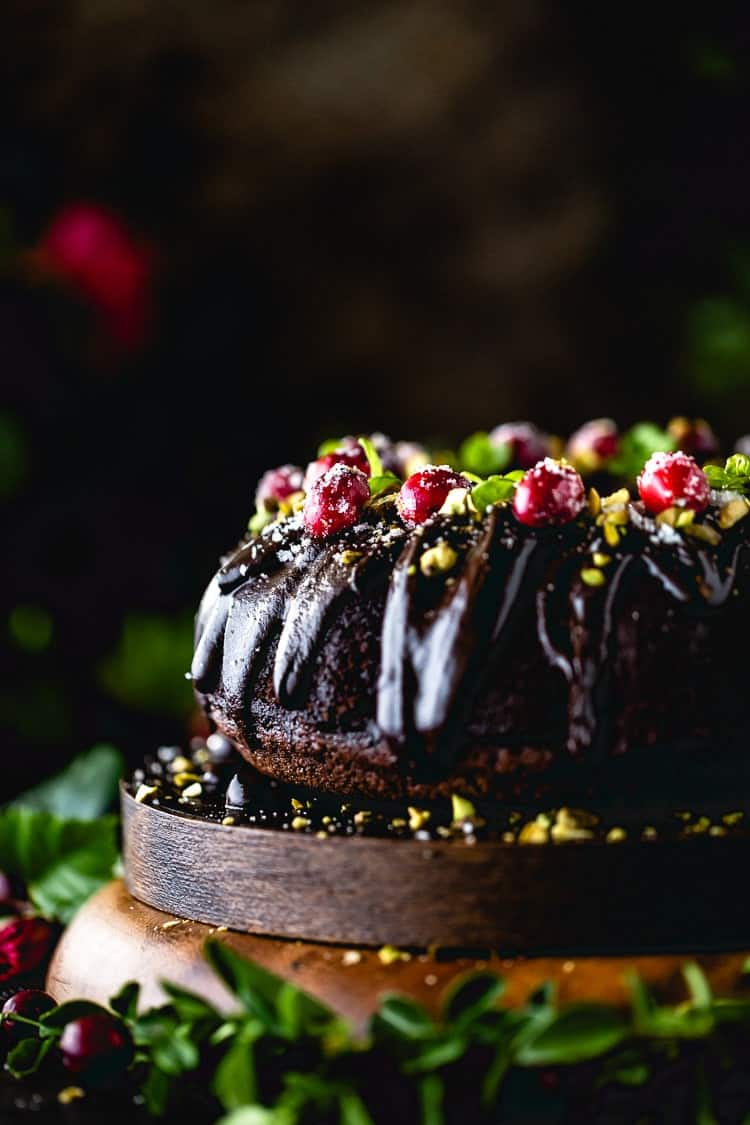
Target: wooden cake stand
column 315, row 911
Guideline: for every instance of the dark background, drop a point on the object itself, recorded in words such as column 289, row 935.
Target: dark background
column 420, row 217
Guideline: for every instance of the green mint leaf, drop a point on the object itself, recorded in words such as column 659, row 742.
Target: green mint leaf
column 738, row 465
column 494, row 490
column 471, row 996
column 63, row 862
column 373, row 457
column 83, row 790
column 479, row 454
column 735, row 476
column 386, row 482
column 330, row 445
column 125, row 1002
column 403, row 1018
column 636, row 446
column 235, row 1082
column 578, row 1033
column 27, row 1056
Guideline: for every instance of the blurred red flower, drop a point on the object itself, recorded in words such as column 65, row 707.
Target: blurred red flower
column 89, row 248
column 24, row 943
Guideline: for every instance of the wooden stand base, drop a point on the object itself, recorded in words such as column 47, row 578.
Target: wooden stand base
column 115, row 938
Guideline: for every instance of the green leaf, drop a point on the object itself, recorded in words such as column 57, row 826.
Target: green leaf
column 698, row 986
column 431, row 1100
column 404, row 1018
column 373, row 457
column 71, row 1010
column 259, row 520
column 494, row 490
column 479, row 454
column 257, row 989
column 386, row 482
column 735, row 476
column 175, row 1053
column 470, row 996
column 156, row 1090
column 83, row 790
column 125, row 1002
column 300, row 1014
column 146, row 670
column 636, row 446
column 235, row 1082
column 329, row 445
column 257, row 1115
column 189, row 1007
column 352, row 1109
column 61, row 861
column 579, row 1032
column 438, row 1054
column 27, row 1056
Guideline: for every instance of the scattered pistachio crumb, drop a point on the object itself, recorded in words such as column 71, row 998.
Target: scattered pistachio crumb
column 509, row 838
column 143, row 792
column 70, row 1094
column 572, row 824
column 411, row 570
column 228, row 820
column 616, row 835
column 438, row 559
column 398, row 822
column 326, row 820
column 592, row 576
column 732, row 818
column 684, row 814
column 300, row 822
column 535, row 831
column 611, row 535
column 362, row 816
column 595, row 502
column 180, row 764
column 732, row 512
column 322, row 835
column 349, row 557
column 351, row 957
column 183, row 779
column 297, row 805
column 462, row 809
column 444, row 832
column 193, row 790
column 222, row 929
column 600, row 559
column 703, row 533
column 717, row 830
column 388, row 954
column 417, row 817
column 649, row 832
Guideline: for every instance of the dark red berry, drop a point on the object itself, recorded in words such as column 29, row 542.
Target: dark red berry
column 550, row 493
column 425, row 491
column 527, row 443
column 276, row 485
column 591, row 446
column 694, row 436
column 673, row 479
column 24, row 943
column 350, row 452
column 335, row 500
column 96, row 1047
column 31, row 1003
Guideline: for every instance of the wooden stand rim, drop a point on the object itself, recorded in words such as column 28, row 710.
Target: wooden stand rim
column 363, row 890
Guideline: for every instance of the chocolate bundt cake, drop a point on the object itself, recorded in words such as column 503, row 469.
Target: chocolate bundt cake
column 453, row 633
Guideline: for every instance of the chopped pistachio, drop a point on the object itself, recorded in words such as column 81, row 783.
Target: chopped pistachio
column 143, row 792
column 300, row 822
column 462, row 809
column 698, row 828
column 417, row 817
column 297, row 804
column 70, row 1094
column 411, row 570
column 291, row 504
column 508, row 838
column 398, row 822
column 732, row 818
column 601, row 559
column 592, row 576
column 535, row 831
column 572, row 824
column 438, row 559
column 362, row 816
column 733, row 511
column 349, row 557
column 616, row 835
column 322, row 835
column 611, row 535
column 388, row 954
column 717, row 830
column 704, row 533
column 458, row 502
column 228, row 821
column 668, row 516
column 183, row 779
column 685, row 517
column 595, row 502
column 649, row 832
column 193, row 790
column 444, row 832
column 325, row 820
column 180, row 764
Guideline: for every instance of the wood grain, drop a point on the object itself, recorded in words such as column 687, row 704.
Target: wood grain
column 587, row 897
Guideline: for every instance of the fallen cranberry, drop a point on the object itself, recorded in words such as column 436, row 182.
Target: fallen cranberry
column 335, row 500
column 694, row 436
column 528, row 444
column 350, row 452
column 591, row 446
column 550, row 493
column 673, row 479
column 96, row 1047
column 276, row 485
column 425, row 491
column 24, row 943
column 31, row 1003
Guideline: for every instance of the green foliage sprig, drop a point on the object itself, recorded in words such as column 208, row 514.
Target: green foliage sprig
column 735, row 476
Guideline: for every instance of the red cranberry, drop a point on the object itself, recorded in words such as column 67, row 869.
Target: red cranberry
column 550, row 493
column 528, row 444
column 350, row 452
column 595, row 443
column 29, row 1002
column 24, row 943
column 276, row 485
column 694, row 436
column 335, row 500
column 425, row 491
column 673, row 479
column 96, row 1047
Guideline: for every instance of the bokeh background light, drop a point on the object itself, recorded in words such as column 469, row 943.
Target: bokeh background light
column 228, row 231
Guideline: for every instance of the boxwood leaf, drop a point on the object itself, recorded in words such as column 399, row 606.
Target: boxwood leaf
column 470, row 996
column 579, row 1032
column 235, row 1082
column 27, row 1056
column 125, row 1002
column 403, row 1017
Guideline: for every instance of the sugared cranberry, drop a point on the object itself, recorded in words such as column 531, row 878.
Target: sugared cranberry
column 591, row 446
column 550, row 493
column 527, row 443
column 31, row 1003
column 96, row 1047
column 425, row 491
column 335, row 500
column 350, row 452
column 276, row 485
column 694, row 436
column 673, row 479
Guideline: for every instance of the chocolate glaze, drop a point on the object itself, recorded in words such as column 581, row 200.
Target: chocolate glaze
column 339, row 664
